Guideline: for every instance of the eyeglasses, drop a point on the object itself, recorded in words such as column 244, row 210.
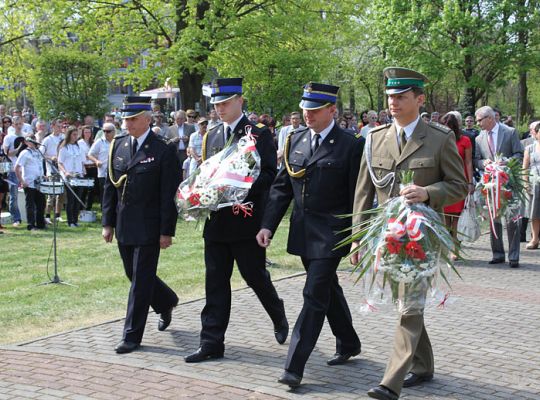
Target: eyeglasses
column 7, row 122
column 65, row 126
column 191, row 116
column 108, row 130
column 480, row 120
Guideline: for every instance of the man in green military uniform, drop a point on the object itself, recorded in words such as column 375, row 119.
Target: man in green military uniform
column 431, row 152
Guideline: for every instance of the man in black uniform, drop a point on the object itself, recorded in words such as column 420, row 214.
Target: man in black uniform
column 321, row 168
column 229, row 237
column 138, row 202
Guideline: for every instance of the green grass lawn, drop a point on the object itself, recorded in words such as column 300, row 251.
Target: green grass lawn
column 28, row 310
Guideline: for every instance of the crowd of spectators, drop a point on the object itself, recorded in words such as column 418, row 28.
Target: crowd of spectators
column 80, row 149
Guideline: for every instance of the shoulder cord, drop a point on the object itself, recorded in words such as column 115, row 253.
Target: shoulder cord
column 120, row 181
column 293, row 174
column 385, row 180
column 203, row 149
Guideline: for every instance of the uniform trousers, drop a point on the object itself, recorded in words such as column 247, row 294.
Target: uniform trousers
column 140, row 265
column 72, row 204
column 35, row 208
column 250, row 259
column 412, row 352
column 513, row 230
column 323, row 296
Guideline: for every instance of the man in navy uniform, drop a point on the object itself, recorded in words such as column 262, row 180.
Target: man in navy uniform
column 321, row 169
column 229, row 237
column 138, row 203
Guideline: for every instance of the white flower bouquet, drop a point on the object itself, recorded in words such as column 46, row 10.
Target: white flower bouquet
column 403, row 250
column 221, row 181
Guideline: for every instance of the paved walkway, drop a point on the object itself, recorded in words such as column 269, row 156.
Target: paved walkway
column 486, row 344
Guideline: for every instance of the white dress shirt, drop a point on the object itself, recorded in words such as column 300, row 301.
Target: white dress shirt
column 409, row 129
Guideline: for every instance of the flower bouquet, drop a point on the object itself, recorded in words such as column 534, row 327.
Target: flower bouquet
column 503, row 189
column 221, row 181
column 402, row 250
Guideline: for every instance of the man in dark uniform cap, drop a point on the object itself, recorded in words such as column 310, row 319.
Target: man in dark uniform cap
column 230, row 237
column 321, row 168
column 430, row 151
column 138, row 202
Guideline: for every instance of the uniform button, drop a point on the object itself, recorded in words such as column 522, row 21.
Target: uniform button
column 380, row 164
column 306, row 209
column 307, row 194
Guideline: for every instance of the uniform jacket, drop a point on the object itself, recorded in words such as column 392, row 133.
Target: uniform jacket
column 431, row 153
column 223, row 225
column 324, row 192
column 508, row 144
column 143, row 208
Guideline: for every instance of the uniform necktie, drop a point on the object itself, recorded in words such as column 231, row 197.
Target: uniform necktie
column 491, row 143
column 134, row 147
column 402, row 140
column 228, row 133
column 315, row 143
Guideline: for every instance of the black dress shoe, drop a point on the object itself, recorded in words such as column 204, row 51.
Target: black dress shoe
column 514, row 264
column 165, row 319
column 382, row 393
column 341, row 358
column 496, row 261
column 290, row 378
column 413, row 380
column 281, row 331
column 203, row 354
column 126, row 347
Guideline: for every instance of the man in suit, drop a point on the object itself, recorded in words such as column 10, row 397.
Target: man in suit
column 229, row 237
column 295, row 124
column 321, row 167
column 430, row 151
column 179, row 133
column 496, row 138
column 138, row 203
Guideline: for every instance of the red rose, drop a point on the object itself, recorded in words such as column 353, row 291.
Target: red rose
column 393, row 245
column 486, row 178
column 415, row 250
column 507, row 194
column 194, row 199
column 503, row 177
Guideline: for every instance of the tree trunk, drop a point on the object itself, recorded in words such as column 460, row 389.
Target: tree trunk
column 524, row 108
column 190, row 89
column 352, row 100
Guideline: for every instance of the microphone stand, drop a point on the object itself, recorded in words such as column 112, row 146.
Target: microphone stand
column 55, row 173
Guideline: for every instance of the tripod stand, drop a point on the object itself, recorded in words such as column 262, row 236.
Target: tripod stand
column 61, row 182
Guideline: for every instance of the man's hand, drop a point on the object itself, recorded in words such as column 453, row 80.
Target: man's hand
column 24, row 184
column 108, row 233
column 264, row 237
column 165, row 241
column 414, row 194
column 487, row 161
column 356, row 256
